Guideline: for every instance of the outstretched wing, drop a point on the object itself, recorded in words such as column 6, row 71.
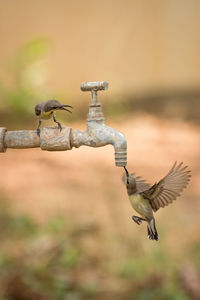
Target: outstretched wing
column 141, row 184
column 168, row 188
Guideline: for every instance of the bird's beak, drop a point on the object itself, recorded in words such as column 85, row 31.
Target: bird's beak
column 65, row 105
column 127, row 174
column 63, row 108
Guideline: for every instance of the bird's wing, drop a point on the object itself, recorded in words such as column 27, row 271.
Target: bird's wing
column 168, row 188
column 51, row 105
column 141, row 184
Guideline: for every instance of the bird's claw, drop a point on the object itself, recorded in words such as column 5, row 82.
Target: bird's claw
column 38, row 132
column 137, row 220
column 60, row 126
column 150, row 236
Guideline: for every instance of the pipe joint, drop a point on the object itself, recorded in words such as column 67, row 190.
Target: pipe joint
column 52, row 139
column 2, row 139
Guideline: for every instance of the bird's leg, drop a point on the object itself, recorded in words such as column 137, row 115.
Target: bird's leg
column 149, row 233
column 38, row 128
column 59, row 125
column 138, row 220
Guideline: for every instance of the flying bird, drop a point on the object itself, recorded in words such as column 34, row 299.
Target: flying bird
column 145, row 198
column 46, row 110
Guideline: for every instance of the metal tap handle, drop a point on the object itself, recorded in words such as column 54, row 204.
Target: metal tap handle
column 95, row 86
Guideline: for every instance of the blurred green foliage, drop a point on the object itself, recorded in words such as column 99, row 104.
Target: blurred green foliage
column 27, row 74
column 52, row 261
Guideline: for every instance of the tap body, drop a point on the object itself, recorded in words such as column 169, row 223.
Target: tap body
column 98, row 134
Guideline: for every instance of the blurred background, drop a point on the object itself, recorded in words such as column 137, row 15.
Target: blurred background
column 65, row 222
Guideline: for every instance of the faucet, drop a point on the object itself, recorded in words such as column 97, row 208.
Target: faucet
column 97, row 134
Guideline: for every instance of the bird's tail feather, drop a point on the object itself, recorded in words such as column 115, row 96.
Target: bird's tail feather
column 152, row 232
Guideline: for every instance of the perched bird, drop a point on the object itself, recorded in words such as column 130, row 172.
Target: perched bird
column 45, row 110
column 145, row 198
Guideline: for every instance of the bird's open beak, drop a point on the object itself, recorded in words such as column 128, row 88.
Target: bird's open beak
column 63, row 108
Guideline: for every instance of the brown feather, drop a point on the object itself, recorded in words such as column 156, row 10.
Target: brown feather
column 168, row 188
column 52, row 105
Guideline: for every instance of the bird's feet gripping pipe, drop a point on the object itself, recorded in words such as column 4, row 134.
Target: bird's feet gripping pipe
column 38, row 129
column 38, row 132
column 59, row 125
column 138, row 220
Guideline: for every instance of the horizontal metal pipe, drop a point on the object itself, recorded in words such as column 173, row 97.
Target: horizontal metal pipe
column 21, row 139
column 52, row 139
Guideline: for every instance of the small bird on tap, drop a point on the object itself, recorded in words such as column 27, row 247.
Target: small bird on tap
column 46, row 110
column 145, row 198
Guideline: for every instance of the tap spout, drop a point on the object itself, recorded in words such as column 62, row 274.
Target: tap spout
column 98, row 135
